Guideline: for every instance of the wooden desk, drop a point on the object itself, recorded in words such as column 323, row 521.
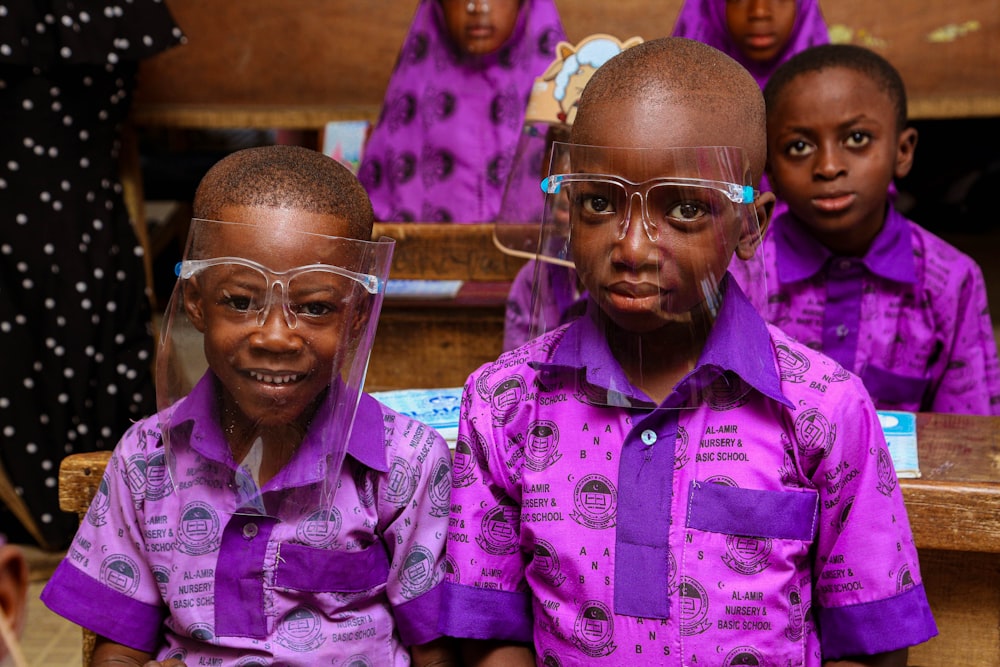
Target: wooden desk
column 954, row 511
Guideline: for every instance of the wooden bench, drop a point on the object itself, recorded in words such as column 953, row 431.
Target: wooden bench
column 954, row 511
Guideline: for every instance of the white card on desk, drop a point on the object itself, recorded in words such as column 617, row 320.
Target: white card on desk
column 900, row 429
column 438, row 408
column 422, row 289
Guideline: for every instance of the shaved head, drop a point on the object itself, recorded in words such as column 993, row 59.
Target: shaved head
column 709, row 98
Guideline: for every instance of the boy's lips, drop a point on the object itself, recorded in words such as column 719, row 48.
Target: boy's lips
column 479, row 31
column 761, row 42
column 834, row 203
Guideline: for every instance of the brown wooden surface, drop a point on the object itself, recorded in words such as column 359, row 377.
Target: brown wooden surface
column 447, row 251
column 298, row 63
column 954, row 511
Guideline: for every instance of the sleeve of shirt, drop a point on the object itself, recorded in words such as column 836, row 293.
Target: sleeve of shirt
column 518, row 309
column 105, row 584
column 483, row 535
column 970, row 382
column 869, row 596
column 413, row 516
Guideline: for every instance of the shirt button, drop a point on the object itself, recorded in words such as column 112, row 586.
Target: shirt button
column 250, row 531
column 649, row 437
column 842, row 331
column 845, row 264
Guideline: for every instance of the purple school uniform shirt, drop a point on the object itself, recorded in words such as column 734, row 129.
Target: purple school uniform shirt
column 445, row 139
column 910, row 318
column 763, row 525
column 560, row 300
column 162, row 564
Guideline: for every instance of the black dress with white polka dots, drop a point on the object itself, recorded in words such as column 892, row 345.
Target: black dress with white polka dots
column 75, row 341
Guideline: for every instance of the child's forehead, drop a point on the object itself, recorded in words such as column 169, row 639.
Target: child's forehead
column 833, row 91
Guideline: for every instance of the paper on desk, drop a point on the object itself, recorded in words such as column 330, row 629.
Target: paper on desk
column 438, row 408
column 900, row 429
column 422, row 289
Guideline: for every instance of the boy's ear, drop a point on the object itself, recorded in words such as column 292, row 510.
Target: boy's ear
column 13, row 587
column 905, row 148
column 193, row 303
column 750, row 239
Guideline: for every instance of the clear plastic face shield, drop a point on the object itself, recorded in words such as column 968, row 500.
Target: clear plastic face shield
column 262, row 360
column 651, row 235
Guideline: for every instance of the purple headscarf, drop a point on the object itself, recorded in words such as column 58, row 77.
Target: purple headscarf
column 450, row 122
column 705, row 21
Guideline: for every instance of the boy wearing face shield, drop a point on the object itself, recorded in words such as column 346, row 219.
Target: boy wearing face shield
column 668, row 480
column 270, row 512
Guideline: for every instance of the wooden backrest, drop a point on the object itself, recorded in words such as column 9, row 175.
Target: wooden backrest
column 299, row 63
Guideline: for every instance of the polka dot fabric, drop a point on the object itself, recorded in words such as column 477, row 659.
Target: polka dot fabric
column 74, row 316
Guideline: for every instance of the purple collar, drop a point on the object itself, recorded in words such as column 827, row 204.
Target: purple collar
column 800, row 256
column 200, row 409
column 739, row 343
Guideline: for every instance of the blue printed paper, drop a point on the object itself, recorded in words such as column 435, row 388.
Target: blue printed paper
column 900, row 429
column 438, row 408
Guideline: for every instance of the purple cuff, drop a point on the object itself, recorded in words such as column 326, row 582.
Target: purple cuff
column 76, row 596
column 417, row 619
column 476, row 613
column 876, row 627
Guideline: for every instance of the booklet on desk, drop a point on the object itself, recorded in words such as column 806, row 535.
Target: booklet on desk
column 438, row 408
column 422, row 289
column 900, row 429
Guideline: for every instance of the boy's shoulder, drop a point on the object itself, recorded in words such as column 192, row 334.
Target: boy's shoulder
column 403, row 436
column 938, row 253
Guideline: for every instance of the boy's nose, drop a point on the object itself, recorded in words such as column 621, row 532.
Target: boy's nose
column 636, row 235
column 759, row 8
column 829, row 163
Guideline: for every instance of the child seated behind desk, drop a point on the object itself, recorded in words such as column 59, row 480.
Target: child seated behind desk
column 848, row 274
column 273, row 513
column 668, row 480
column 454, row 107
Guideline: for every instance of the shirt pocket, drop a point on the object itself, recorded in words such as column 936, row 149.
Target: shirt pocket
column 729, row 510
column 316, row 570
column 888, row 387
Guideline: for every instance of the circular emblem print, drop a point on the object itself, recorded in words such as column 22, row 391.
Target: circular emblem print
column 744, row 655
column 402, row 482
column 440, row 488
column 540, row 450
column 463, row 464
column 792, row 365
column 546, row 563
column 594, row 630
column 358, row 661
column 727, row 392
column 364, row 485
column 120, row 573
column 198, row 529
column 694, row 607
column 320, row 529
column 417, row 573
column 162, row 577
column 747, row 555
column 499, row 531
column 300, row 630
column 596, row 502
column 904, row 580
column 97, row 513
column 505, row 398
column 814, row 434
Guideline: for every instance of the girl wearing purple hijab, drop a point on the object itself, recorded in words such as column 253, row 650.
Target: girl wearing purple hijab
column 454, row 108
column 758, row 34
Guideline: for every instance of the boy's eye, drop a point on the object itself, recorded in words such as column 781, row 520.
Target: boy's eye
column 596, row 204
column 798, row 148
column 315, row 308
column 238, row 302
column 686, row 211
column 858, row 139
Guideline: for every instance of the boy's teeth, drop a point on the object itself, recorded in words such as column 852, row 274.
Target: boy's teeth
column 272, row 379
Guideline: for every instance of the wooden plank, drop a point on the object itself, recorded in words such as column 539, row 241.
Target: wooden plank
column 447, row 251
column 79, row 477
column 298, row 63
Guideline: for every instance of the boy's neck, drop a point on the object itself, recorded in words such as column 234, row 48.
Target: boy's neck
column 277, row 444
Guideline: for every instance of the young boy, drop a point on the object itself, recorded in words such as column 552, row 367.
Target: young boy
column 668, row 480
column 847, row 273
column 272, row 514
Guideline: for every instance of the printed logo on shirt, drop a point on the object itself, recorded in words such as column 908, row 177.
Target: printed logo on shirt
column 451, row 571
column 694, row 607
column 417, row 574
column 198, row 529
column 671, row 573
column 744, row 655
column 747, row 555
column 594, row 630
column 815, row 434
column 301, row 630
column 550, row 659
column 727, row 392
column 177, row 653
column 886, row 473
column 162, row 577
column 135, row 478
column 440, row 488
column 320, row 529
column 845, row 513
column 541, row 449
column 252, row 661
column 158, row 484
column 722, row 480
column 904, row 580
column 546, row 563
column 680, row 448
column 97, row 514
column 498, row 533
column 505, row 399
column 464, row 464
column 792, row 364
column 201, row 631
column 796, row 615
column 365, row 486
column 358, row 661
column 596, row 502
column 120, row 573
column 402, row 482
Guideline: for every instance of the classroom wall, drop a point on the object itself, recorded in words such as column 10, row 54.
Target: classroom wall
column 339, row 53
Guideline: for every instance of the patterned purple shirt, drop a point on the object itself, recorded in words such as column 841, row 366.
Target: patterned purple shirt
column 762, row 526
column 162, row 564
column 910, row 317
